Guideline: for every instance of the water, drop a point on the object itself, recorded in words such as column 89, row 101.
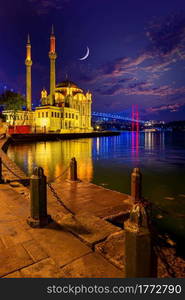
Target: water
column 108, row 161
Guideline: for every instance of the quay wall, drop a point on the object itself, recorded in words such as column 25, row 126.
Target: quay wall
column 11, row 171
column 38, row 137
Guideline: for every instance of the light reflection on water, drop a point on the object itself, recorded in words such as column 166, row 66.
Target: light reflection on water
column 108, row 161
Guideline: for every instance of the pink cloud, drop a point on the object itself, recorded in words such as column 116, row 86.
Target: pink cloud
column 170, row 107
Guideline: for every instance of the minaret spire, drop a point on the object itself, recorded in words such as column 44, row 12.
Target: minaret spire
column 52, row 56
column 28, row 40
column 28, row 63
column 52, row 30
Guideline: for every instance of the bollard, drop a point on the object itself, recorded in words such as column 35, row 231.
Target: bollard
column 73, row 169
column 136, row 182
column 1, row 173
column 38, row 197
column 140, row 259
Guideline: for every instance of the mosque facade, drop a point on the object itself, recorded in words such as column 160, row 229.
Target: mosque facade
column 66, row 108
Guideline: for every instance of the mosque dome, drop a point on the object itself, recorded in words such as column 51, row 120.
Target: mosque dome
column 67, row 83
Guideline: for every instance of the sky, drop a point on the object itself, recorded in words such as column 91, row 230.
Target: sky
column 137, row 51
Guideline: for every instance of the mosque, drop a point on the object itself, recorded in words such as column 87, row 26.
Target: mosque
column 67, row 108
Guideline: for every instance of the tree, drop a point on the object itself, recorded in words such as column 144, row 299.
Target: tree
column 13, row 102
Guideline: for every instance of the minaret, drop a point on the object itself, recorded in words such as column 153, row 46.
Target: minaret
column 52, row 56
column 28, row 63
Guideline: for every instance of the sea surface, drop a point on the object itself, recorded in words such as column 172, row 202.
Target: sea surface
column 108, row 161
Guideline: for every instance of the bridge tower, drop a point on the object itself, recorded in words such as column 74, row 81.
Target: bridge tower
column 135, row 117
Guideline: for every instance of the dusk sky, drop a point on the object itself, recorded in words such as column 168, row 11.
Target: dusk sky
column 137, row 51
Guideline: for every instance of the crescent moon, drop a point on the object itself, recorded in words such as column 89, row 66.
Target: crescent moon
column 86, row 55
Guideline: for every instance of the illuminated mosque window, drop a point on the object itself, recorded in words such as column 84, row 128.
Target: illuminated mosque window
column 69, row 115
column 42, row 114
column 62, row 115
column 66, row 115
column 72, row 116
column 46, row 114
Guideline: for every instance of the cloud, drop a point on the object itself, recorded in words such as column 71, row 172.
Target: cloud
column 167, row 107
column 43, row 7
column 167, row 36
column 141, row 88
column 140, row 75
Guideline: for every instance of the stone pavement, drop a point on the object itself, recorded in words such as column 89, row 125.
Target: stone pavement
column 66, row 247
column 59, row 250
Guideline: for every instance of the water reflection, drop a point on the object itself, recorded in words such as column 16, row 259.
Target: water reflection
column 135, row 143
column 54, row 157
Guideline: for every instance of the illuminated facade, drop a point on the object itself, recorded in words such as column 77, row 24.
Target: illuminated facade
column 65, row 109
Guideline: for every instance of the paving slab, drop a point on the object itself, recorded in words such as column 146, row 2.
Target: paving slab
column 16, row 274
column 90, row 229
column 13, row 204
column 60, row 245
column 92, row 265
column 85, row 197
column 2, row 246
column 13, row 258
column 13, row 233
column 113, row 249
column 46, row 268
column 34, row 250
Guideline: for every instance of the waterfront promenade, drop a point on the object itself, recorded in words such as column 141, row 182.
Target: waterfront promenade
column 84, row 243
column 66, row 247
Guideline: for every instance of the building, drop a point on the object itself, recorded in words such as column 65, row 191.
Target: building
column 67, row 108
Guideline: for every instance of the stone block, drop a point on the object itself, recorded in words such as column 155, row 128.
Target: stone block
column 87, row 227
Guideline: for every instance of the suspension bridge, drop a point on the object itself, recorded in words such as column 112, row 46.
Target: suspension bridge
column 126, row 116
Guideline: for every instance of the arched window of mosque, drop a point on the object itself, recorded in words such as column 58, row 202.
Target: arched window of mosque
column 65, row 124
column 69, row 115
column 39, row 115
column 46, row 114
column 76, row 117
column 42, row 114
column 52, row 113
column 66, row 115
column 62, row 115
column 72, row 116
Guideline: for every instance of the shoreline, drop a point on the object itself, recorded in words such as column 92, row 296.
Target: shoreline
column 39, row 137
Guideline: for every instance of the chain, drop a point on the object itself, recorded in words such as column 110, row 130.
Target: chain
column 59, row 199
column 54, row 179
column 12, row 171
